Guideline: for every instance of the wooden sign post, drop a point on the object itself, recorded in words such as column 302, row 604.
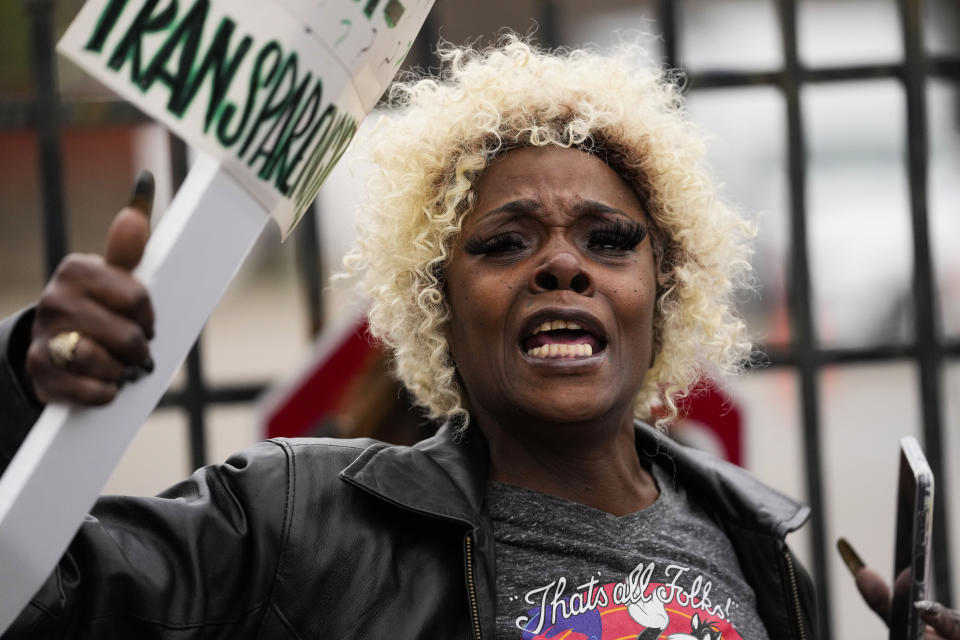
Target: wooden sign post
column 271, row 94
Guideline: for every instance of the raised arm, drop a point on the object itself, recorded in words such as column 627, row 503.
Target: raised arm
column 198, row 561
column 88, row 334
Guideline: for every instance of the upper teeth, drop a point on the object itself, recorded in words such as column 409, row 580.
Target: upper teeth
column 553, row 325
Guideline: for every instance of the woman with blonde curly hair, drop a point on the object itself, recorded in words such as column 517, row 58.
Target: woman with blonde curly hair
column 552, row 269
column 629, row 117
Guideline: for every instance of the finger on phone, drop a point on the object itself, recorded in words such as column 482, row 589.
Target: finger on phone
column 946, row 622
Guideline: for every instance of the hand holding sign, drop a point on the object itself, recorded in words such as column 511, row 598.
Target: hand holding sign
column 108, row 308
column 270, row 101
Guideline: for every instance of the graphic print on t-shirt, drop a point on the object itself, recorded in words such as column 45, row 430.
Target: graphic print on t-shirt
column 633, row 608
column 566, row 571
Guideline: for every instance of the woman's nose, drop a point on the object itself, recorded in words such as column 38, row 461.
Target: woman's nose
column 562, row 270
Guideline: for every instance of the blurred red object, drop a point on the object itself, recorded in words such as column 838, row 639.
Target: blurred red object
column 297, row 408
column 710, row 420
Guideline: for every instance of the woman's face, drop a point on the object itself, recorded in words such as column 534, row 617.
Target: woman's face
column 552, row 287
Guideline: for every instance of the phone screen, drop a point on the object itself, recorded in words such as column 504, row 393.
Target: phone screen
column 912, row 556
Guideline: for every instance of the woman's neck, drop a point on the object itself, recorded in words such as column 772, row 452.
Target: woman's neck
column 591, row 464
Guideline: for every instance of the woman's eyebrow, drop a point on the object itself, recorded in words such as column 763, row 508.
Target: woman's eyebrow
column 524, row 206
column 530, row 206
column 584, row 207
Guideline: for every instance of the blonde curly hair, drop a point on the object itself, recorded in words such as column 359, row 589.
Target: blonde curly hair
column 444, row 131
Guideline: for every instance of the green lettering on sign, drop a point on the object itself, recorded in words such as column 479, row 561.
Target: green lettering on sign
column 284, row 131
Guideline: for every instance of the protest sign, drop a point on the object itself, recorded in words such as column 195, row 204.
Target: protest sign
column 273, row 90
column 270, row 93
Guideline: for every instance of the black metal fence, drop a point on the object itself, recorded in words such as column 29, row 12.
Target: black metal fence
column 804, row 355
column 45, row 114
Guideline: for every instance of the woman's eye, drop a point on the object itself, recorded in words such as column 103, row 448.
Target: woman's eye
column 501, row 243
column 616, row 236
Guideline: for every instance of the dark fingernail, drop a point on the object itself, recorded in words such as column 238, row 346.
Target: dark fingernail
column 850, row 557
column 150, row 334
column 120, row 384
column 133, row 374
column 142, row 196
column 147, row 365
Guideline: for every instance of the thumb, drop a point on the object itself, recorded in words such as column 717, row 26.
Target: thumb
column 944, row 621
column 130, row 229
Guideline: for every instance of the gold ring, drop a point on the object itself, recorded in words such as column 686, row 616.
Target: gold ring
column 62, row 347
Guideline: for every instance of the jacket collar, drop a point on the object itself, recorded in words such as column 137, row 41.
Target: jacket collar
column 446, row 478
column 731, row 492
column 439, row 476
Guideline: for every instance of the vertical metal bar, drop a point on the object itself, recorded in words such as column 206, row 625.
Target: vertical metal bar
column 424, row 42
column 549, row 36
column 667, row 11
column 310, row 265
column 46, row 108
column 803, row 342
column 195, row 395
column 929, row 353
column 196, row 401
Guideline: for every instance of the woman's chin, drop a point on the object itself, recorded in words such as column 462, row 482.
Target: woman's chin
column 566, row 409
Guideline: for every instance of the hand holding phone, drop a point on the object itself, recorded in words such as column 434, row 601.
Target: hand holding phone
column 907, row 611
column 911, row 565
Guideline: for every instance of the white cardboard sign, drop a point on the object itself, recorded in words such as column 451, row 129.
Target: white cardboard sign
column 274, row 89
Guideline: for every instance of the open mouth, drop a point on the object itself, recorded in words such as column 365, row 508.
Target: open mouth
column 559, row 338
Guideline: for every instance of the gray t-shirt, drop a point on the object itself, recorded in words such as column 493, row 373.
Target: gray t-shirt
column 565, row 570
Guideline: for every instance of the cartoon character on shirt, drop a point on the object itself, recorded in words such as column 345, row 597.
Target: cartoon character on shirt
column 698, row 631
column 651, row 614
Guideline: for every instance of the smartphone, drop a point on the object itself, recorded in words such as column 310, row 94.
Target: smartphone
column 911, row 565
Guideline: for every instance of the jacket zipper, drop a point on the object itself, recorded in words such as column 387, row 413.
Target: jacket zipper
column 472, row 589
column 796, row 595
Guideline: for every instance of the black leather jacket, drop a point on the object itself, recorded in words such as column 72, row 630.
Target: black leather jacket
column 322, row 538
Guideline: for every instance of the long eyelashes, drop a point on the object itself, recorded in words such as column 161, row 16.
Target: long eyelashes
column 612, row 236
column 618, row 235
column 499, row 243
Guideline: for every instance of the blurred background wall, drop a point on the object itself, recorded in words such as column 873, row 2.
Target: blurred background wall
column 852, row 378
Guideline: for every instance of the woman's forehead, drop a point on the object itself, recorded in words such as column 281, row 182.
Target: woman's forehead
column 533, row 180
